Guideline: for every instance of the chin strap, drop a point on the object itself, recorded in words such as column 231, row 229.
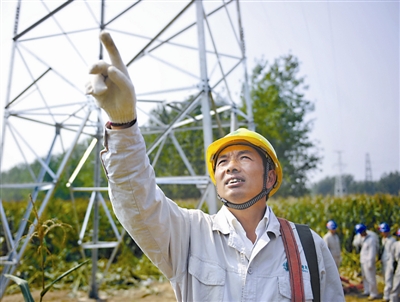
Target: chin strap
column 245, row 205
column 249, row 203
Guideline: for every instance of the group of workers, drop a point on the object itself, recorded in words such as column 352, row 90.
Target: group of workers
column 367, row 244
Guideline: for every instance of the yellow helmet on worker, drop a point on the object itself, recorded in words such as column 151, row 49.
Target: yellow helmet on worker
column 243, row 135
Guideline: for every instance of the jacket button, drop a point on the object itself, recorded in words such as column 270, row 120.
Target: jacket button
column 250, row 270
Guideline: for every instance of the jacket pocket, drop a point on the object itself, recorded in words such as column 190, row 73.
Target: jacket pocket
column 208, row 280
column 285, row 290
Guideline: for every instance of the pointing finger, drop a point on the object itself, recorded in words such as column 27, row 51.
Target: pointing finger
column 113, row 52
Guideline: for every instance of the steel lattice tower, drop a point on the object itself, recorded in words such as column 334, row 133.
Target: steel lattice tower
column 368, row 168
column 369, row 182
column 340, row 186
column 175, row 52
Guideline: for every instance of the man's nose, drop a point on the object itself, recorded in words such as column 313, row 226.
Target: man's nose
column 232, row 166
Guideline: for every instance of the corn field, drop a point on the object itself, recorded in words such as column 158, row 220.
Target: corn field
column 130, row 266
column 347, row 212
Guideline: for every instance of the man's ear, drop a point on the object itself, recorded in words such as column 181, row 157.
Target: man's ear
column 271, row 178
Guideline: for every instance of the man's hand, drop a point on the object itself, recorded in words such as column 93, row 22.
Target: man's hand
column 111, row 86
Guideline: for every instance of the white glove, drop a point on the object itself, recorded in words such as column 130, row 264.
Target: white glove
column 111, row 85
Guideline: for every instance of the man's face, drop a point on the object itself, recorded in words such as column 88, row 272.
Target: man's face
column 239, row 173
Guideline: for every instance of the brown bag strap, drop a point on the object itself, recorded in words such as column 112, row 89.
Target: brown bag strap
column 294, row 262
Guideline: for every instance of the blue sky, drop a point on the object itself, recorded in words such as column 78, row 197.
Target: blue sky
column 349, row 54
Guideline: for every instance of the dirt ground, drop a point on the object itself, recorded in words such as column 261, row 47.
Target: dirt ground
column 156, row 292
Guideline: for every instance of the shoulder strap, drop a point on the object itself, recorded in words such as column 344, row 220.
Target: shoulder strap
column 294, row 262
column 307, row 241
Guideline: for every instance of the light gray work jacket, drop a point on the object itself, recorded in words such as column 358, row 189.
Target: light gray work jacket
column 201, row 254
column 333, row 243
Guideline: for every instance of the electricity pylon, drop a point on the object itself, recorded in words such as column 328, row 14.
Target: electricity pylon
column 175, row 52
column 368, row 168
column 340, row 186
column 369, row 183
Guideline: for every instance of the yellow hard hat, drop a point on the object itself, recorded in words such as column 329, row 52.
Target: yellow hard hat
column 236, row 137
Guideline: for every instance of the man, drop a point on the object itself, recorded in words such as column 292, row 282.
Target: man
column 332, row 240
column 387, row 243
column 234, row 255
column 395, row 267
column 368, row 243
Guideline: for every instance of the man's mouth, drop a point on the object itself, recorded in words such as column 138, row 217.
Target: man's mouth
column 234, row 181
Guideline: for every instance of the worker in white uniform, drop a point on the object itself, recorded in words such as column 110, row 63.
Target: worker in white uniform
column 332, row 240
column 235, row 255
column 368, row 243
column 387, row 244
column 395, row 267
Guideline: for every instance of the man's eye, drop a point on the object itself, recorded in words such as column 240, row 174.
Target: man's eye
column 220, row 162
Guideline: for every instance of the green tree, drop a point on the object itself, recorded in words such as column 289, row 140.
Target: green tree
column 389, row 183
column 325, row 186
column 280, row 109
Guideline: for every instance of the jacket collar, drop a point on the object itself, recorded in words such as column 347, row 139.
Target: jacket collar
column 223, row 221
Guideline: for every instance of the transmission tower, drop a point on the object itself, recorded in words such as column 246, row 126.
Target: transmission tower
column 340, row 186
column 368, row 168
column 175, row 52
column 369, row 183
